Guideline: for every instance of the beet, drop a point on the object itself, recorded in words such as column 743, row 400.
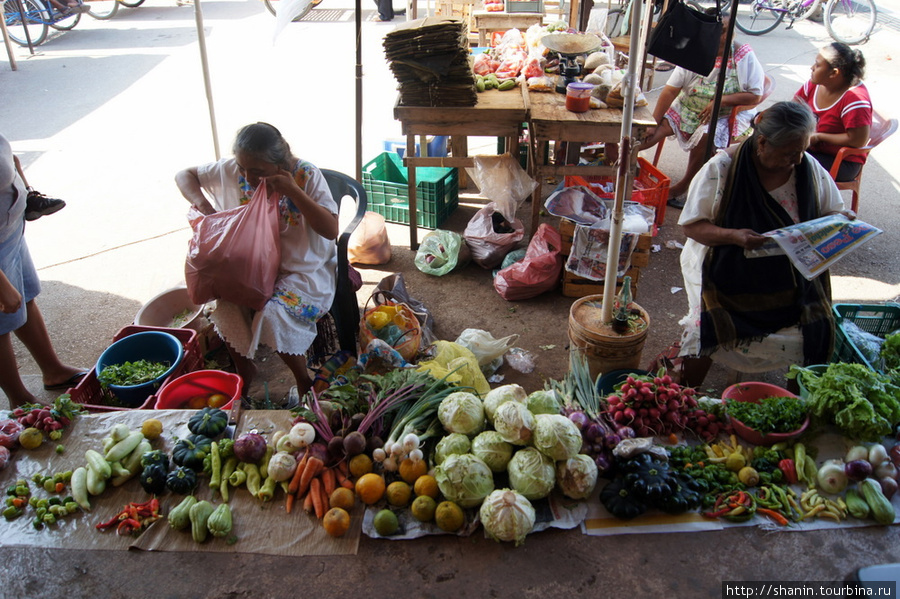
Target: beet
column 354, row 443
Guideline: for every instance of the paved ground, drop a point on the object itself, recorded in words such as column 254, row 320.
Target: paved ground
column 103, row 116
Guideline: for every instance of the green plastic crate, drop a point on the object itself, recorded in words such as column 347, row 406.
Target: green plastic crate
column 385, row 181
column 876, row 319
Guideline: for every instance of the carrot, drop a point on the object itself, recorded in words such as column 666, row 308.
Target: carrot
column 308, row 503
column 313, row 467
column 329, row 480
column 298, row 472
column 315, row 490
column 326, row 499
column 344, row 468
column 289, row 502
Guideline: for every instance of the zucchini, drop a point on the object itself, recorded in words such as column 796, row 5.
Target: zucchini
column 180, row 516
column 199, row 515
column 506, row 85
column 95, row 484
column 98, row 464
column 78, row 482
column 882, row 510
column 124, row 447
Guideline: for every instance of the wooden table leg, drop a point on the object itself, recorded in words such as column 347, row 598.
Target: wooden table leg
column 459, row 147
column 411, row 191
column 537, row 164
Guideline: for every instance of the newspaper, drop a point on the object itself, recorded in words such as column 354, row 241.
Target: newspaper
column 814, row 246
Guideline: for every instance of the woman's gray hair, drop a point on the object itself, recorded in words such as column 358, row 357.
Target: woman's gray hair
column 850, row 62
column 785, row 122
column 264, row 142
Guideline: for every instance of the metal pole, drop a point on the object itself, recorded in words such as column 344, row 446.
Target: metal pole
column 720, row 86
column 359, row 92
column 624, row 172
column 24, row 16
column 201, row 38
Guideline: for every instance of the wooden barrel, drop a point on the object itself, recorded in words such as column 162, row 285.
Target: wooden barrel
column 603, row 349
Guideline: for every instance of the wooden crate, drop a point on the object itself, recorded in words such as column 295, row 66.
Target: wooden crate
column 575, row 286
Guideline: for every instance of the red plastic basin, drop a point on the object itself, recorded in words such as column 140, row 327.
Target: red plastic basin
column 755, row 393
column 178, row 393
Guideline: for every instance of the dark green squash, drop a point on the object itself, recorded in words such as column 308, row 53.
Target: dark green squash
column 182, row 480
column 209, row 422
column 156, row 456
column 191, row 450
column 648, row 478
column 153, row 478
column 620, row 502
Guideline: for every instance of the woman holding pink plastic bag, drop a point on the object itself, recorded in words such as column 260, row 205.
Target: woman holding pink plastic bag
column 308, row 226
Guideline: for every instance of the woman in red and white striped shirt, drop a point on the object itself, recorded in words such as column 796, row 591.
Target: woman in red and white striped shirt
column 840, row 101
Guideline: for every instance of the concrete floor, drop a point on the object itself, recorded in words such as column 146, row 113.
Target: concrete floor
column 128, row 111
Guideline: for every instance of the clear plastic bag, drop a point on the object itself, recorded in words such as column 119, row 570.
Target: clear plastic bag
column 369, row 243
column 502, row 180
column 485, row 347
column 490, row 236
column 440, row 252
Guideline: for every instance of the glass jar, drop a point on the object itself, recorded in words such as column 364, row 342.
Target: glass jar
column 578, row 96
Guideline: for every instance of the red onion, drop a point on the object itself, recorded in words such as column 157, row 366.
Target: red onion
column 250, row 447
column 858, row 470
column 888, row 486
column 580, row 419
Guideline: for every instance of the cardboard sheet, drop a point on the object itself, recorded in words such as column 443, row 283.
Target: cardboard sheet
column 259, row 527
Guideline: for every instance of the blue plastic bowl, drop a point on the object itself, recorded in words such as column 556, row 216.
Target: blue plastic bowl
column 153, row 346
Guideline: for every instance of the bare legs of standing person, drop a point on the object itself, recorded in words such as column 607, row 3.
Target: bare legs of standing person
column 34, row 336
column 297, row 365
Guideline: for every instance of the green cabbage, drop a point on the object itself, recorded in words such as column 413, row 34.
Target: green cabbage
column 493, row 450
column 577, row 476
column 514, row 423
column 453, row 443
column 531, row 473
column 556, row 436
column 462, row 412
column 507, row 516
column 465, row 479
column 501, row 395
column 542, row 402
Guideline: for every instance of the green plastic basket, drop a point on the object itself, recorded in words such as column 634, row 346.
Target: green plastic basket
column 876, row 319
column 385, row 181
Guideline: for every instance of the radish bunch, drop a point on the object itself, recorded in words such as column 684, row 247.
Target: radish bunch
column 658, row 406
column 41, row 418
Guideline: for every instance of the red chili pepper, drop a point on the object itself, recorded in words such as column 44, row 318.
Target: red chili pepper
column 789, row 468
column 109, row 523
column 128, row 526
column 718, row 513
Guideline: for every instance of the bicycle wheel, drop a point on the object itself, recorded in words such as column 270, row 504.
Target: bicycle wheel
column 306, row 9
column 756, row 17
column 850, row 21
column 805, row 12
column 103, row 9
column 36, row 18
column 66, row 23
column 131, row 3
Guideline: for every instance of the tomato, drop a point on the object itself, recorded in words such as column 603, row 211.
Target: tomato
column 217, row 400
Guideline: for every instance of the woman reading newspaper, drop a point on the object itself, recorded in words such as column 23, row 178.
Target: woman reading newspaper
column 755, row 314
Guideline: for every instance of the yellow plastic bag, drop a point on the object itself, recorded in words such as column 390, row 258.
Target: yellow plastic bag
column 451, row 356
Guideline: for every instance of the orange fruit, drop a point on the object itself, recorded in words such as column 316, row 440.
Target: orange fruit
column 217, row 400
column 342, row 497
column 336, row 522
column 151, row 428
column 399, row 493
column 411, row 469
column 360, row 464
column 31, row 438
column 370, row 488
column 449, row 517
column 426, row 485
column 196, row 402
column 423, row 508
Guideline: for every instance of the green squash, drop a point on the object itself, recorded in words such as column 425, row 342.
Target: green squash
column 153, row 478
column 182, row 480
column 191, row 450
column 209, row 422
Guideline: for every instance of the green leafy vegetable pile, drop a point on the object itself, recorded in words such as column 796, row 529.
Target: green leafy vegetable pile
column 863, row 403
column 129, row 374
column 890, row 351
column 771, row 415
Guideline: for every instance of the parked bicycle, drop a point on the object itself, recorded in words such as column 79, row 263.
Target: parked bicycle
column 847, row 21
column 41, row 16
column 270, row 6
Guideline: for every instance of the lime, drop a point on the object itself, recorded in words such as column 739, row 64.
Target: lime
column 423, row 508
column 386, row 523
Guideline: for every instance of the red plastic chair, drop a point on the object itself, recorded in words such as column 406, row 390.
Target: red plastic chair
column 768, row 88
column 880, row 130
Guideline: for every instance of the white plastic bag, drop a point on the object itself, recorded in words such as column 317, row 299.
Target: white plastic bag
column 502, row 180
column 369, row 243
column 489, row 241
column 485, row 347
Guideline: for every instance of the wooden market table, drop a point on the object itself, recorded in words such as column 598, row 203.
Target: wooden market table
column 550, row 121
column 487, row 22
column 497, row 114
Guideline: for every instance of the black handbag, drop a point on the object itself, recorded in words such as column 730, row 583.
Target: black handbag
column 687, row 38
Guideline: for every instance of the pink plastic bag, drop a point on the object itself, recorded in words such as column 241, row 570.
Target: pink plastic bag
column 538, row 272
column 234, row 254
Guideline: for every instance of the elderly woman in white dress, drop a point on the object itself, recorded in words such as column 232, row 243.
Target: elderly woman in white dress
column 305, row 286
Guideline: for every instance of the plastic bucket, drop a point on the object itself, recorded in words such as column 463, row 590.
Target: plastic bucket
column 606, row 383
column 172, row 308
column 186, row 391
column 603, row 349
column 153, row 346
column 819, row 369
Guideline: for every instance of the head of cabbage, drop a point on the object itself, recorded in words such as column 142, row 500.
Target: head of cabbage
column 465, row 479
column 531, row 473
column 577, row 476
column 493, row 450
column 556, row 436
column 462, row 412
column 543, row 402
column 507, row 516
column 449, row 445
column 514, row 423
column 500, row 395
